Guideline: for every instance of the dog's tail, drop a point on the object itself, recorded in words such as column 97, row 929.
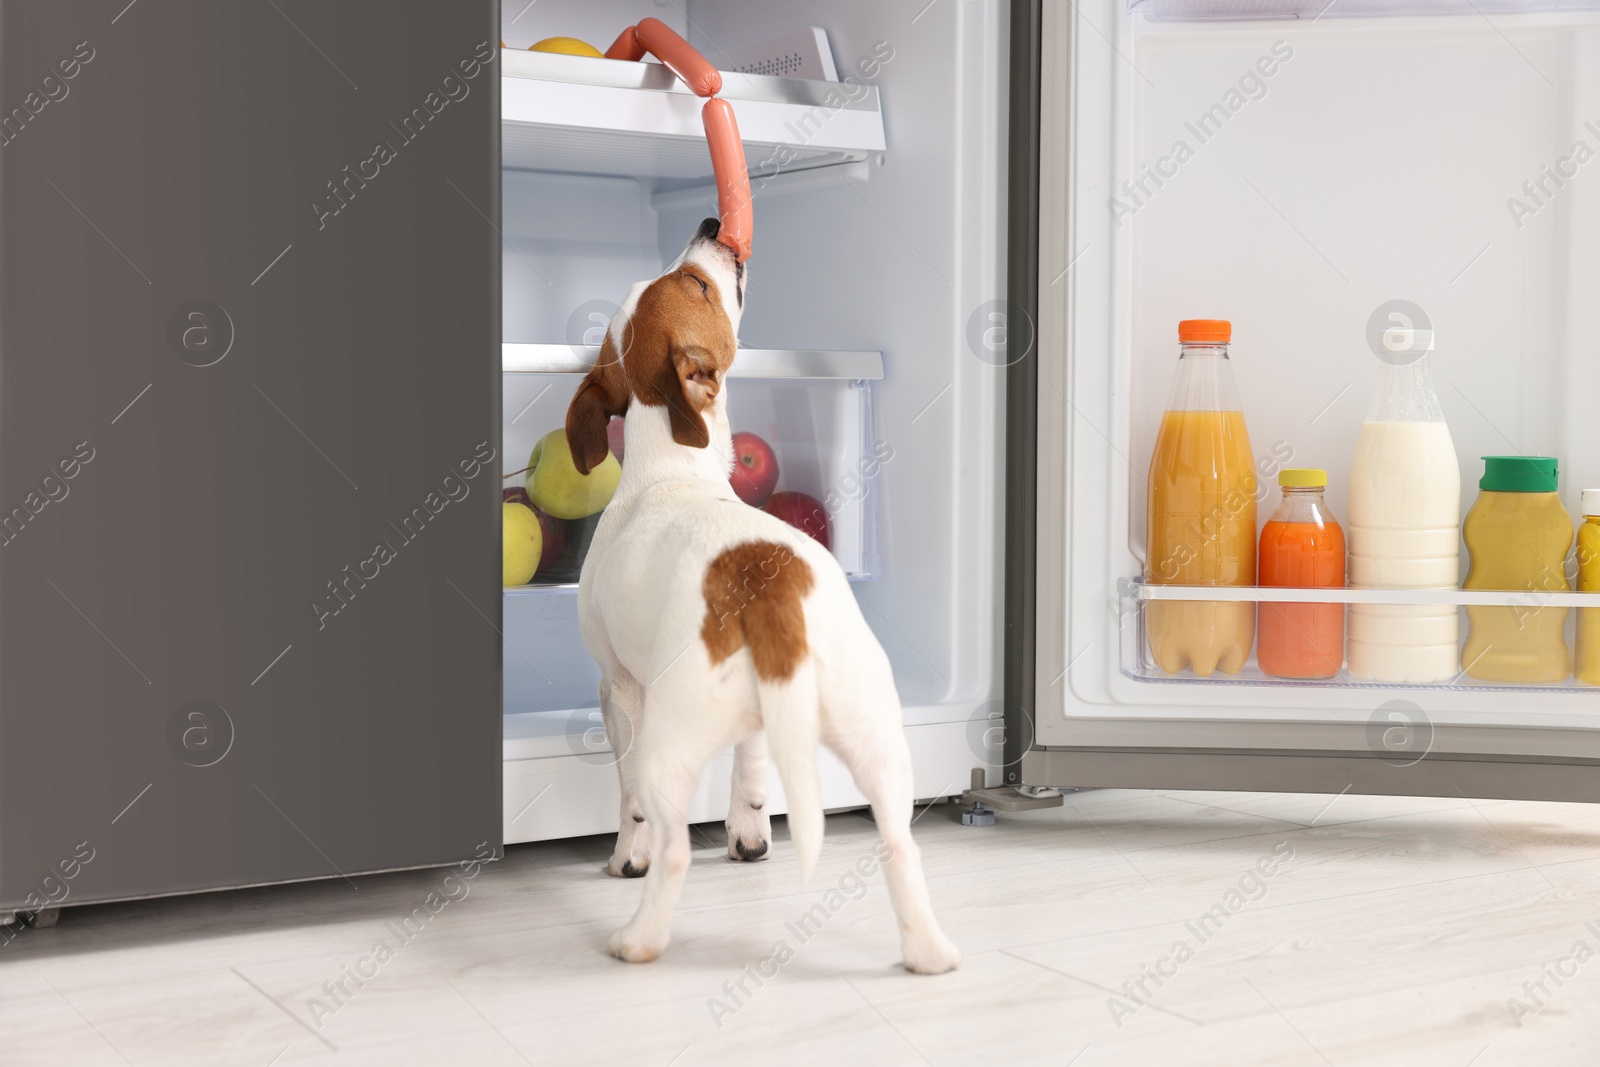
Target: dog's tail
column 789, row 713
column 755, row 598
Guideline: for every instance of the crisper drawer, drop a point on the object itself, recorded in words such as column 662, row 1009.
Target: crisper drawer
column 814, row 458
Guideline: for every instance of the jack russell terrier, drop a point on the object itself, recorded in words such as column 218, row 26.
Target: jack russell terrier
column 715, row 623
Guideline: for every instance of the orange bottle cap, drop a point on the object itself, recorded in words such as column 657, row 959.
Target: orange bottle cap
column 1205, row 331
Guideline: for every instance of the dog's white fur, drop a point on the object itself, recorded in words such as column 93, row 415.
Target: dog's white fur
column 669, row 709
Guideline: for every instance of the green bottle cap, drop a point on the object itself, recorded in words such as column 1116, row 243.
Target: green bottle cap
column 1518, row 474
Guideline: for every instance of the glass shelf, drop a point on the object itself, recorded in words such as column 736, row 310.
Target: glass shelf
column 579, row 115
column 518, row 358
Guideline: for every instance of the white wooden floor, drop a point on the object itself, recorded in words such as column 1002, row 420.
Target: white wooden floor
column 1391, row 932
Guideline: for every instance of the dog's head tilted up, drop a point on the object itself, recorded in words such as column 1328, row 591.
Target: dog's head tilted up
column 668, row 347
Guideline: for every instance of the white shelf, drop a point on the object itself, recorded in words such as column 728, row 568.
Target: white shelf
column 750, row 362
column 1515, row 598
column 577, row 115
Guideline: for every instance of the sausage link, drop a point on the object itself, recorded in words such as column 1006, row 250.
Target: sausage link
column 733, row 178
column 626, row 46
column 679, row 57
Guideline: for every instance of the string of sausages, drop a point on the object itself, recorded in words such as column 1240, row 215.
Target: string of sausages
column 722, row 129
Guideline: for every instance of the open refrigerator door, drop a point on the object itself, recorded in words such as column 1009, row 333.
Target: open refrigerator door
column 1342, row 183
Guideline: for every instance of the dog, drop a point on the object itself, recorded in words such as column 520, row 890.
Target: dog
column 715, row 623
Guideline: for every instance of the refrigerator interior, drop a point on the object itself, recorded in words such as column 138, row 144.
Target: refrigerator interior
column 1293, row 173
column 890, row 253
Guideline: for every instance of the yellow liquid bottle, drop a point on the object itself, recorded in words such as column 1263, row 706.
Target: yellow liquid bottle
column 1201, row 527
column 1518, row 534
column 1589, row 582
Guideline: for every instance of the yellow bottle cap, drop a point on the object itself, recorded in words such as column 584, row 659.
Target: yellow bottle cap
column 1302, row 478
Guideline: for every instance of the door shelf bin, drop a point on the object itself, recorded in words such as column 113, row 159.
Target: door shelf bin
column 1134, row 597
column 1312, row 10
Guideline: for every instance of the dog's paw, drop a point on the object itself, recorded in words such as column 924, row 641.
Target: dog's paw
column 738, row 850
column 749, row 835
column 626, row 868
column 930, row 954
column 631, row 947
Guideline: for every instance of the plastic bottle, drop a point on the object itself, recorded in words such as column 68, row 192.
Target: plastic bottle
column 1518, row 534
column 1202, row 510
column 1405, row 527
column 1302, row 547
column 1588, row 666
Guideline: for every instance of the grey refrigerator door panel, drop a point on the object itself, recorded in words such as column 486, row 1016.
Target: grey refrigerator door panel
column 249, row 423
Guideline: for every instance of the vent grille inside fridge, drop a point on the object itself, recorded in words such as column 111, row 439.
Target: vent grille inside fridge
column 800, row 54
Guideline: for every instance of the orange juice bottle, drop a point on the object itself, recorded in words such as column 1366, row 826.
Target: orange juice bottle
column 1301, row 547
column 1201, row 511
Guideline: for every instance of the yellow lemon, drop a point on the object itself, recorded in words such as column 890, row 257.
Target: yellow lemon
column 521, row 541
column 568, row 46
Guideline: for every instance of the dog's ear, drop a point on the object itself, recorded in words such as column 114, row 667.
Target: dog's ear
column 690, row 382
column 602, row 394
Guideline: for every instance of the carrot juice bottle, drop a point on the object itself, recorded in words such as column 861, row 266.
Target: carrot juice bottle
column 1201, row 527
column 1301, row 547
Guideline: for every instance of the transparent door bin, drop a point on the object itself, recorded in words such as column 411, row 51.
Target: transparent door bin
column 1134, row 597
column 820, row 430
column 1313, row 10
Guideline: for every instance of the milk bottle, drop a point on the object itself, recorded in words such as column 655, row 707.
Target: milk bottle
column 1405, row 525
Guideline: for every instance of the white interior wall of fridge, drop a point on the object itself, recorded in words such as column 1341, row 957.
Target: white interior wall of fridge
column 1379, row 160
column 900, row 253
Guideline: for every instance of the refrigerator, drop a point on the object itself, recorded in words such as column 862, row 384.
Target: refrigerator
column 295, row 291
column 1017, row 251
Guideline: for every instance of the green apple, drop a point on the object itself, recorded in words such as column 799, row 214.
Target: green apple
column 521, row 541
column 555, row 486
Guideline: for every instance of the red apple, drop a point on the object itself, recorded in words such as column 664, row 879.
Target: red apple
column 614, row 437
column 803, row 513
column 554, row 532
column 516, row 495
column 755, row 469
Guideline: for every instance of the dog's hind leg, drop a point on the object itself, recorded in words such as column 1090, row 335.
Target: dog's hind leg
column 873, row 746
column 749, row 823
column 671, row 759
column 622, row 709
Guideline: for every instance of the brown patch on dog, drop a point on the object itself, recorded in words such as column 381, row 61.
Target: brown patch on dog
column 753, row 593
